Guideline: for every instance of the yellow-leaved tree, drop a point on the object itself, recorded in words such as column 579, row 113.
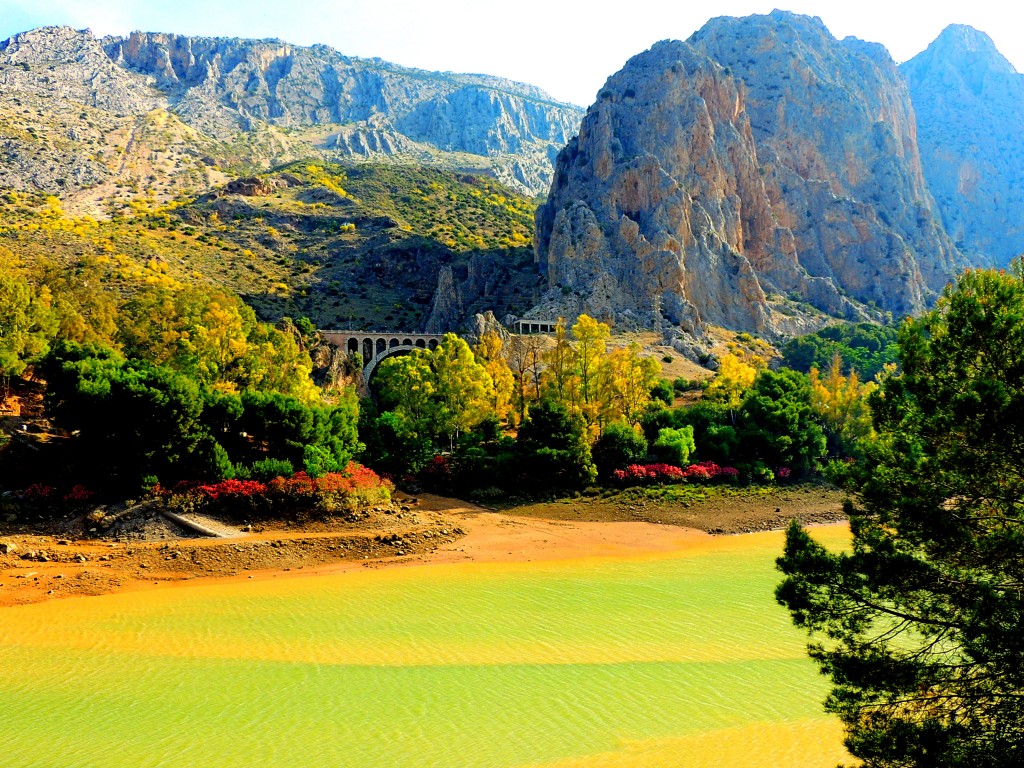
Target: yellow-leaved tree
column 490, row 351
column 736, row 375
column 558, row 380
column 629, row 378
column 591, row 344
column 842, row 403
column 524, row 359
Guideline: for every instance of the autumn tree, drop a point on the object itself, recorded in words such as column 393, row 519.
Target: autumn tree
column 736, row 375
column 215, row 338
column 524, row 358
column 558, row 377
column 464, row 387
column 630, row 378
column 86, row 308
column 841, row 402
column 491, row 352
column 591, row 339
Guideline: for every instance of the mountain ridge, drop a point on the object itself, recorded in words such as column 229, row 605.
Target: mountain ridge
column 255, row 104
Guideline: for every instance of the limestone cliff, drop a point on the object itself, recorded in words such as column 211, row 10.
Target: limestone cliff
column 761, row 159
column 167, row 113
column 970, row 115
column 366, row 106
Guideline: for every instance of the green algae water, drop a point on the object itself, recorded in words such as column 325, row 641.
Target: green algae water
column 671, row 660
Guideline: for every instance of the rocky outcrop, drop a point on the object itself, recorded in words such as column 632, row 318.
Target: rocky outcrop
column 238, row 104
column 760, row 160
column 488, row 282
column 446, row 311
column 253, row 186
column 969, row 102
column 64, row 64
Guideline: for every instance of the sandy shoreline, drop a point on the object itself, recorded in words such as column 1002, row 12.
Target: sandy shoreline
column 439, row 530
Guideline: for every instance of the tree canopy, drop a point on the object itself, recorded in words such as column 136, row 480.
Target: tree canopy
column 919, row 625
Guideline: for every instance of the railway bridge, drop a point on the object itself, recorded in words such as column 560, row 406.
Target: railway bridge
column 375, row 346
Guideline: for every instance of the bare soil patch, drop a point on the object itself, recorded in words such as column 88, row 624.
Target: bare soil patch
column 715, row 509
column 147, row 551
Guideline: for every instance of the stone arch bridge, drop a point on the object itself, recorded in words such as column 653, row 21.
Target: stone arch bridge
column 376, row 346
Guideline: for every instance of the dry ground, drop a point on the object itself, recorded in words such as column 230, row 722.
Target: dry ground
column 50, row 564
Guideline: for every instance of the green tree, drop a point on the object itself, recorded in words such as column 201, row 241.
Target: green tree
column 439, row 393
column 674, row 446
column 464, row 388
column 27, row 324
column 618, row 446
column 131, row 420
column 553, row 449
column 919, row 625
column 778, row 426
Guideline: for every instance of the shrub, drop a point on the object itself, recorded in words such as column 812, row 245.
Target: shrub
column 663, row 391
column 356, row 487
column 268, row 469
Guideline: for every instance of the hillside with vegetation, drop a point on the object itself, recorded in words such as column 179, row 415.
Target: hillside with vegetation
column 354, row 247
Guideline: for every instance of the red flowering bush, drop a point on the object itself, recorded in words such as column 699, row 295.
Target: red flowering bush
column 438, row 473
column 38, row 493
column 79, row 494
column 350, row 490
column 699, row 473
column 234, row 489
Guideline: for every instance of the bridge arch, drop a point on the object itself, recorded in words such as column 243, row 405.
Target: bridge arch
column 376, row 346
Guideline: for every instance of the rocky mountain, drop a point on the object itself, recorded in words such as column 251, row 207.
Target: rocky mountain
column 756, row 173
column 970, row 116
column 166, row 113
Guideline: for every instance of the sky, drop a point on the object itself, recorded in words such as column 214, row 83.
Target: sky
column 567, row 48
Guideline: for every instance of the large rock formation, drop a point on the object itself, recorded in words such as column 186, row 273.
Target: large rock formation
column 970, row 116
column 759, row 160
column 239, row 103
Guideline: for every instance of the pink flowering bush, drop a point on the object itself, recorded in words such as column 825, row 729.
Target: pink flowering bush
column 636, row 474
column 703, row 472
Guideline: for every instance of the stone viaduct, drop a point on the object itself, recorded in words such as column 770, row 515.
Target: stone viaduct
column 374, row 346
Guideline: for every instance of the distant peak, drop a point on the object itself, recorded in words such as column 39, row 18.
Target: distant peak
column 963, row 42
column 778, row 23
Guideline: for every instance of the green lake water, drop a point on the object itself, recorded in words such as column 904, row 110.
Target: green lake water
column 682, row 659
